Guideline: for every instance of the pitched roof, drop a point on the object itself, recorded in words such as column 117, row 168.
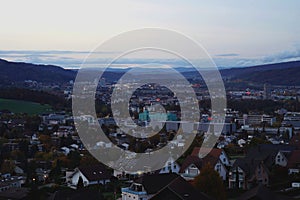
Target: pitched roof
column 15, row 193
column 210, row 160
column 262, row 193
column 286, row 153
column 179, row 189
column 215, row 152
column 155, row 182
column 189, row 161
column 95, row 172
column 248, row 166
column 264, row 153
column 295, row 140
column 294, row 159
column 78, row 194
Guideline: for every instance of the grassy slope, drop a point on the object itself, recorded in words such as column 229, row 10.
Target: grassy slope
column 28, row 107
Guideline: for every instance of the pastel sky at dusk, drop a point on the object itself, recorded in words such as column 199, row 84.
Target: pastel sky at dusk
column 234, row 32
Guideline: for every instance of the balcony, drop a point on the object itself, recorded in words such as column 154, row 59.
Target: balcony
column 128, row 190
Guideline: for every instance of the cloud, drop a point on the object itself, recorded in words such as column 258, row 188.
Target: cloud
column 227, row 55
column 71, row 59
column 283, row 56
column 52, row 57
column 74, row 59
column 56, row 52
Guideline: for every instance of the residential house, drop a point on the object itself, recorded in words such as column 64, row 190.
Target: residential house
column 14, row 193
column 293, row 163
column 7, row 182
column 179, row 189
column 53, row 119
column 254, row 168
column 147, row 186
column 215, row 152
column 282, row 158
column 248, row 174
column 292, row 119
column 171, row 166
column 217, row 164
column 262, row 193
column 91, row 175
column 192, row 165
column 295, row 141
column 79, row 194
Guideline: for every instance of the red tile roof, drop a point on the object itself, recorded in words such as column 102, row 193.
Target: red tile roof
column 294, row 159
column 211, row 152
column 295, row 140
column 210, row 160
column 189, row 161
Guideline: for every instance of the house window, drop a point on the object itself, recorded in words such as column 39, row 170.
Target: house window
column 139, row 188
column 193, row 171
column 218, row 168
column 169, row 166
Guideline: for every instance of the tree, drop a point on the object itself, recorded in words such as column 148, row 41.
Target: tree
column 46, row 141
column 31, row 172
column 18, row 155
column 74, row 157
column 210, row 183
column 80, row 183
column 257, row 141
column 8, row 166
column 56, row 172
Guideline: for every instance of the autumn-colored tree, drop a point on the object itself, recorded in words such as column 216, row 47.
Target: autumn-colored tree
column 17, row 155
column 257, row 141
column 8, row 166
column 46, row 141
column 210, row 183
column 43, row 156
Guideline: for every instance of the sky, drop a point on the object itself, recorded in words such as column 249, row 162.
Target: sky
column 234, row 32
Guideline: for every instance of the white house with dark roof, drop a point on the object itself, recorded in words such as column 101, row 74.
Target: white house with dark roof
column 193, row 164
column 191, row 167
column 170, row 166
column 91, row 175
column 281, row 158
column 147, row 186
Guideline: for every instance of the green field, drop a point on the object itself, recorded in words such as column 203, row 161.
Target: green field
column 17, row 106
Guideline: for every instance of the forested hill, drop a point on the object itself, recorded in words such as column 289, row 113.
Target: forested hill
column 19, row 72
column 287, row 73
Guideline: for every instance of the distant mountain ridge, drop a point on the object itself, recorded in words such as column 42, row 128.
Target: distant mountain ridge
column 287, row 73
column 19, row 72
